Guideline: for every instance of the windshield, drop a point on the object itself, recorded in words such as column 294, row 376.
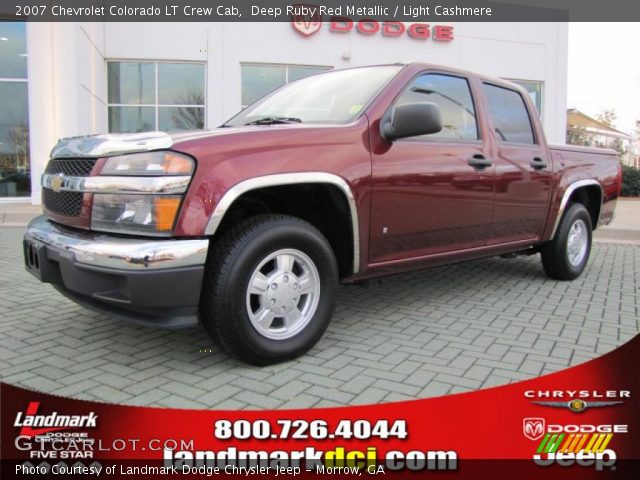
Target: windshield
column 338, row 96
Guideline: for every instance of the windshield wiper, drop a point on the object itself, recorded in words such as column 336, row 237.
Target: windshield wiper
column 274, row 120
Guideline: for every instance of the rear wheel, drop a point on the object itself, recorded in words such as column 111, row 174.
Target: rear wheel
column 566, row 256
column 269, row 290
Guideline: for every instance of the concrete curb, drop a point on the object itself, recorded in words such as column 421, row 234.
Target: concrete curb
column 13, row 224
column 617, row 235
column 16, row 220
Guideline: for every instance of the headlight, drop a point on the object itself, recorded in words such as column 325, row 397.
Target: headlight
column 137, row 214
column 145, row 206
column 149, row 163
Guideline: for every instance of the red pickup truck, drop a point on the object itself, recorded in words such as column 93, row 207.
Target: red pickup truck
column 342, row 176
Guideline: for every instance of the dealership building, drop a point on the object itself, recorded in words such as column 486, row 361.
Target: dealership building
column 68, row 79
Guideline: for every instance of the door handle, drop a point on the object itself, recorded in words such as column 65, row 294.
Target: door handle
column 538, row 164
column 479, row 161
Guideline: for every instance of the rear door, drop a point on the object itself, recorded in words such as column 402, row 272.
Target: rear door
column 433, row 193
column 523, row 170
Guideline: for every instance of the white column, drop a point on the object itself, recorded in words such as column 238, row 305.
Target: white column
column 67, row 86
column 42, row 130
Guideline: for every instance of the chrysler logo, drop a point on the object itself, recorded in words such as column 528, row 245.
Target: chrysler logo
column 578, row 405
column 533, row 428
column 56, row 183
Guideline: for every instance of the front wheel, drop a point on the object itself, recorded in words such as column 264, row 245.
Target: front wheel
column 270, row 289
column 566, row 256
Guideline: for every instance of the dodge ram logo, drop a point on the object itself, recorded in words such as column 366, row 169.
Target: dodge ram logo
column 306, row 23
column 533, row 428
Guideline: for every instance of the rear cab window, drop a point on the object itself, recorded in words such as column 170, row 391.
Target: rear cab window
column 511, row 119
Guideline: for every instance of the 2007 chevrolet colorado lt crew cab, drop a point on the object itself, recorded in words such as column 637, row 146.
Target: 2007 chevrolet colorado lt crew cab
column 341, row 176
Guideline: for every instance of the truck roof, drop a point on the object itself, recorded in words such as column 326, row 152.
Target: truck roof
column 414, row 65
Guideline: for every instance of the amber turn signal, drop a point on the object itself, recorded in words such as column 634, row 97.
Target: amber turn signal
column 177, row 164
column 166, row 209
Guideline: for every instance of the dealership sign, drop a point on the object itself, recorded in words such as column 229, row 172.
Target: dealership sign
column 309, row 24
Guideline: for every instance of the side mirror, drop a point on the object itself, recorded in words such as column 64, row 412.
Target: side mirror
column 410, row 120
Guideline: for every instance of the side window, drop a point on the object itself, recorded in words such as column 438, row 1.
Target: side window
column 510, row 117
column 453, row 96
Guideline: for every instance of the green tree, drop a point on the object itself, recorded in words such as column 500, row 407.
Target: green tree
column 630, row 181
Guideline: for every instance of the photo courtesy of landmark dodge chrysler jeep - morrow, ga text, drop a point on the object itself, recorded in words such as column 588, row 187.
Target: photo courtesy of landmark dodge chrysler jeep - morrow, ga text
column 340, row 176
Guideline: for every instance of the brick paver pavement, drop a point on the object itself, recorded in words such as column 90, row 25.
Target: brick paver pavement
column 444, row 330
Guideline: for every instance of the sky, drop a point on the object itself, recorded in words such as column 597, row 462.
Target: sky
column 604, row 70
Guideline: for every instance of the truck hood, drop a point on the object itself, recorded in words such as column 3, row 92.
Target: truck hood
column 233, row 142
column 110, row 144
column 180, row 138
column 103, row 145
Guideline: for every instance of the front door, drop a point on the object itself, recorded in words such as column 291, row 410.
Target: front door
column 433, row 193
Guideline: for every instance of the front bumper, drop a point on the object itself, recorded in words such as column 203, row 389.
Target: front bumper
column 147, row 281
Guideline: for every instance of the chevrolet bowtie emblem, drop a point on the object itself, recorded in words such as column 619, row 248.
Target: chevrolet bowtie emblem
column 577, row 405
column 56, row 183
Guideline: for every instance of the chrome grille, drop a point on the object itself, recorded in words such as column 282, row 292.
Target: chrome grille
column 76, row 167
column 68, row 204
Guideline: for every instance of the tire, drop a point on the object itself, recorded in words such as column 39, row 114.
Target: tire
column 292, row 272
column 566, row 256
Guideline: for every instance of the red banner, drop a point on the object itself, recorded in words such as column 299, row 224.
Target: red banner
column 582, row 422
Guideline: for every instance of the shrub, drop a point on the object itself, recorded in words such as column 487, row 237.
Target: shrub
column 630, row 181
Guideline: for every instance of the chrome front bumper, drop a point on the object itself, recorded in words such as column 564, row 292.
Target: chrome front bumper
column 147, row 281
column 100, row 250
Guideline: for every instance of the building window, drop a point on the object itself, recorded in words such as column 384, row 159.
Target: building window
column 15, row 174
column 535, row 92
column 145, row 96
column 260, row 79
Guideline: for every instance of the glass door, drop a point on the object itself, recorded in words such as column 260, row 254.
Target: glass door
column 15, row 173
